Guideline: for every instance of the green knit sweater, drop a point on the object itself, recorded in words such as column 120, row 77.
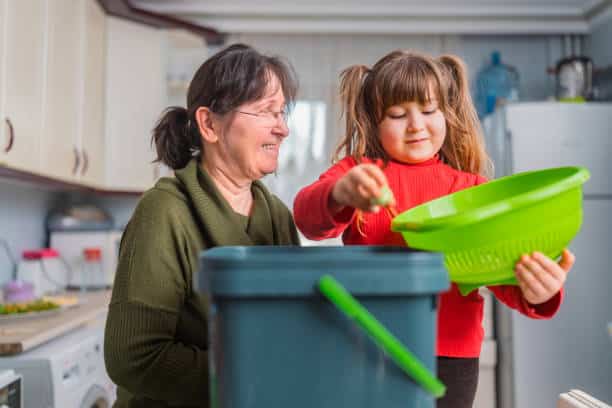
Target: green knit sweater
column 155, row 344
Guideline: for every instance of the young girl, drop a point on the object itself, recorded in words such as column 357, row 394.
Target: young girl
column 411, row 126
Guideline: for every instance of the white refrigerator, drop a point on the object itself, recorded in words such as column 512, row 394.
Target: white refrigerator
column 538, row 360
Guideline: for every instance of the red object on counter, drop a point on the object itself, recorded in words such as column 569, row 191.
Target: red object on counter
column 92, row 254
column 42, row 253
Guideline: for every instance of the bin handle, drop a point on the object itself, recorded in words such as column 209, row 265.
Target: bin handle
column 338, row 295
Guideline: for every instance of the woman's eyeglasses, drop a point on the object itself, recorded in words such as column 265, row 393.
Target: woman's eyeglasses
column 269, row 118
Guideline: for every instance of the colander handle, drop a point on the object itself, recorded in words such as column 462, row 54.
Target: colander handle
column 348, row 305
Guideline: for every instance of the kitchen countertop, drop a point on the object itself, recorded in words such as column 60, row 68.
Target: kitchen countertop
column 24, row 333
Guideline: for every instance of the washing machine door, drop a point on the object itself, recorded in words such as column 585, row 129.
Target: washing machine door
column 96, row 397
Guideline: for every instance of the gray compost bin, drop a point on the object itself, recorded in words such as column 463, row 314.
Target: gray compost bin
column 276, row 342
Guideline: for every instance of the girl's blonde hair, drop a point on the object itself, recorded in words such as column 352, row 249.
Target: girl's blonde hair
column 402, row 76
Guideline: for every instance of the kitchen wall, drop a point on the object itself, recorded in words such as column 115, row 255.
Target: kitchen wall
column 22, row 213
column 24, row 209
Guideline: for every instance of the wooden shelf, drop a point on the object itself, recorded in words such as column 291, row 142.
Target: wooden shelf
column 48, row 183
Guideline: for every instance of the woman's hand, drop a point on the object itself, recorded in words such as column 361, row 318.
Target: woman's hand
column 358, row 188
column 540, row 278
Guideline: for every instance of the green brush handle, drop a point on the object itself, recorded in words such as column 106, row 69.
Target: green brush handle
column 343, row 300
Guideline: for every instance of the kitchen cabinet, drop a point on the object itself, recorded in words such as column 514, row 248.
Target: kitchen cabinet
column 3, row 142
column 135, row 96
column 80, row 93
column 72, row 144
column 60, row 154
column 91, row 130
column 22, row 83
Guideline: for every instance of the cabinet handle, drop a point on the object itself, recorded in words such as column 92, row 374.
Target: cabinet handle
column 11, row 135
column 77, row 161
column 85, row 163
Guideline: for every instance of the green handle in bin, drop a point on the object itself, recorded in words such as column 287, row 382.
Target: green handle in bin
column 343, row 300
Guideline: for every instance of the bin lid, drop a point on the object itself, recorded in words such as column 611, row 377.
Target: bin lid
column 246, row 271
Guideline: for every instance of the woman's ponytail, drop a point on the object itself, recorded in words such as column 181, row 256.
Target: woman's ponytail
column 174, row 140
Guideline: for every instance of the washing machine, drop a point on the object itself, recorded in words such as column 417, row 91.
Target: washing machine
column 11, row 394
column 67, row 372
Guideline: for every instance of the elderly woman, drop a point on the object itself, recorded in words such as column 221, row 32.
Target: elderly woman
column 220, row 146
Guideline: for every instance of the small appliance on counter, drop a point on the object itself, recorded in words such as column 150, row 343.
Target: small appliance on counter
column 574, row 79
column 11, row 389
column 78, row 231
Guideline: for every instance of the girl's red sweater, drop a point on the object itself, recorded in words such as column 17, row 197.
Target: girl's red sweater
column 459, row 329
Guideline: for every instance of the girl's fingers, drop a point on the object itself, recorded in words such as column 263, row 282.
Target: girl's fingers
column 356, row 199
column 363, row 200
column 367, row 185
column 379, row 176
column 346, row 193
column 550, row 275
column 364, row 196
column 528, row 282
column 524, row 285
column 551, row 266
column 360, row 187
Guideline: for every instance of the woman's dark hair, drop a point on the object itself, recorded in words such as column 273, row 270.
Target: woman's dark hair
column 232, row 77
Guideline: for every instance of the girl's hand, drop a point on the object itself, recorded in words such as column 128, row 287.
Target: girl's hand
column 540, row 278
column 358, row 188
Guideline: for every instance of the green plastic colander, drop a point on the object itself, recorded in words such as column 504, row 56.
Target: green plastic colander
column 484, row 230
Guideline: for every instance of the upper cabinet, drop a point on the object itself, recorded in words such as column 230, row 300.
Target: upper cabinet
column 60, row 155
column 3, row 142
column 22, row 82
column 135, row 95
column 72, row 144
column 79, row 93
column 93, row 95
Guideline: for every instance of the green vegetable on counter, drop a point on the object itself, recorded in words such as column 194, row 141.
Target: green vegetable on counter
column 34, row 306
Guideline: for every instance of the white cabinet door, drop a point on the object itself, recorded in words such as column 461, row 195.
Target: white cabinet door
column 134, row 100
column 22, row 89
column 3, row 138
column 61, row 157
column 91, row 129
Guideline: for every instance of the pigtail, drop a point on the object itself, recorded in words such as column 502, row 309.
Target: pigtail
column 352, row 82
column 464, row 147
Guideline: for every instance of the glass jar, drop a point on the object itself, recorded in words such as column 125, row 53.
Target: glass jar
column 44, row 269
column 91, row 272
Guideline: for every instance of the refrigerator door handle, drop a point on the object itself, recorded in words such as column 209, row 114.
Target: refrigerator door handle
column 508, row 159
